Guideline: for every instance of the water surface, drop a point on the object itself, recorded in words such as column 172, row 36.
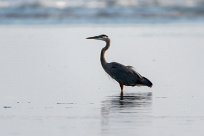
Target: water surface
column 52, row 82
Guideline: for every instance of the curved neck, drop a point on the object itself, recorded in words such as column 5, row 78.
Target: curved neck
column 103, row 60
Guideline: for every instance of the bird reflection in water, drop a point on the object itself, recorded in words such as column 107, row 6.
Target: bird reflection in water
column 133, row 108
column 131, row 100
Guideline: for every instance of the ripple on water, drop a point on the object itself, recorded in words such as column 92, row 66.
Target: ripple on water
column 134, row 110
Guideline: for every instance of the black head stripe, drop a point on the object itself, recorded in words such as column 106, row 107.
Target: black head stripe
column 103, row 35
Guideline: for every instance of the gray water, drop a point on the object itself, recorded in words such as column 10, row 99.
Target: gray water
column 100, row 12
column 52, row 83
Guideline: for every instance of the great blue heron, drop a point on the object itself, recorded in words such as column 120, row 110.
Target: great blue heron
column 124, row 75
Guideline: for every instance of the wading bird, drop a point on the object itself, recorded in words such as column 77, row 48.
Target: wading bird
column 124, row 75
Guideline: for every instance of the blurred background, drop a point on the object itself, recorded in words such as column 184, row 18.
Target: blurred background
column 52, row 82
column 100, row 11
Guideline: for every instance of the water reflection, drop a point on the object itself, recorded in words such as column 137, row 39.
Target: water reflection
column 131, row 101
column 134, row 110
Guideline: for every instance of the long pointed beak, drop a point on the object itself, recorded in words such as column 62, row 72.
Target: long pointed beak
column 94, row 37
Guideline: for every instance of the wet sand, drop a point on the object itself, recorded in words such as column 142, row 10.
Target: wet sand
column 52, row 83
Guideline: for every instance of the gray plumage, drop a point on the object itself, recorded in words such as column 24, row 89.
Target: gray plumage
column 124, row 75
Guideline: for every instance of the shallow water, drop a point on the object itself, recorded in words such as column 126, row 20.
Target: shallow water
column 52, row 83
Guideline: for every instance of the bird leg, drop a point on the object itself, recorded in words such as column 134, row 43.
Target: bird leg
column 121, row 93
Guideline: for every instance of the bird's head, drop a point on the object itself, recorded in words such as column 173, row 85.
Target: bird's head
column 102, row 37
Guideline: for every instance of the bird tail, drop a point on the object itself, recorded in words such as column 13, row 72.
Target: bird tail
column 146, row 82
